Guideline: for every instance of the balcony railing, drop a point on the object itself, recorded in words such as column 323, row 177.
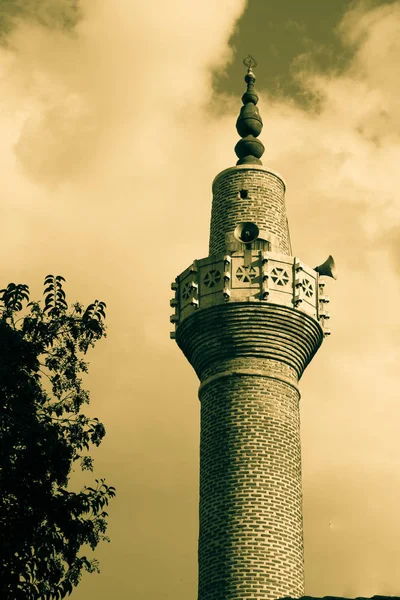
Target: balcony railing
column 249, row 276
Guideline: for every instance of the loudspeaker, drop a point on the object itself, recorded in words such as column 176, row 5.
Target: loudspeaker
column 327, row 268
column 246, row 232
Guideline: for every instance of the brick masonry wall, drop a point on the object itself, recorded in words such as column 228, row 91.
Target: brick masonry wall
column 262, row 330
column 264, row 206
column 249, row 357
column 251, row 529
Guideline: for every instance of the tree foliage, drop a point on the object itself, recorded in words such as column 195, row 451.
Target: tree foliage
column 44, row 527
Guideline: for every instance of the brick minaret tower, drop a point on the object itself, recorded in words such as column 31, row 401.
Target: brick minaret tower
column 249, row 318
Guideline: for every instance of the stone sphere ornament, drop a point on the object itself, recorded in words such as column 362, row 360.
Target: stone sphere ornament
column 249, row 123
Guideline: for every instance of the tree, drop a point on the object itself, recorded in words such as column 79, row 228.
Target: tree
column 44, row 527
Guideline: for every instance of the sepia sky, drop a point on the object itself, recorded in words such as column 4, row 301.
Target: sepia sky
column 114, row 119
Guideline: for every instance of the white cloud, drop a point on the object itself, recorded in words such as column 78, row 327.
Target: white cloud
column 110, row 148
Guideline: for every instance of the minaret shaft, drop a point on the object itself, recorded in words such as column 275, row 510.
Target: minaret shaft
column 249, row 357
column 251, row 534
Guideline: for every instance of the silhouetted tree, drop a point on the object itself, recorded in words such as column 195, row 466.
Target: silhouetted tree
column 43, row 433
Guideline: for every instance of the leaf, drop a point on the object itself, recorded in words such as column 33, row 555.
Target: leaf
column 46, row 430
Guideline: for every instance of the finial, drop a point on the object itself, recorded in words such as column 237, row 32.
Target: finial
column 249, row 123
column 249, row 62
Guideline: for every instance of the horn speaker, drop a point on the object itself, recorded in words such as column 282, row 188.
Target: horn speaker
column 246, row 232
column 328, row 268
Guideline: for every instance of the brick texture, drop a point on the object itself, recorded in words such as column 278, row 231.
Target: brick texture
column 261, row 330
column 249, row 358
column 264, row 206
column 251, row 536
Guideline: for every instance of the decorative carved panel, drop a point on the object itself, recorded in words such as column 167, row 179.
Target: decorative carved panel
column 244, row 276
column 211, row 279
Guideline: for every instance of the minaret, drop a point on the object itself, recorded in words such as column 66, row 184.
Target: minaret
column 249, row 318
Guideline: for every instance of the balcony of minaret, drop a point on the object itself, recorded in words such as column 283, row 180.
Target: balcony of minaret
column 248, row 275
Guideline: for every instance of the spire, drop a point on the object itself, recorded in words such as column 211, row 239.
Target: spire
column 249, row 123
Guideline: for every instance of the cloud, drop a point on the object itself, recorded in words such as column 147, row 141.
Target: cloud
column 80, row 91
column 110, row 139
column 52, row 14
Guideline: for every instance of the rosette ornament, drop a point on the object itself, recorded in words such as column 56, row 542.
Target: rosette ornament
column 249, row 124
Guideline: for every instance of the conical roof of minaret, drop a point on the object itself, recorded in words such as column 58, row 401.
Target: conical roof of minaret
column 249, row 124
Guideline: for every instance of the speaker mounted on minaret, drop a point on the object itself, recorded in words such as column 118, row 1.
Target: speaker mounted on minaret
column 328, row 268
column 247, row 233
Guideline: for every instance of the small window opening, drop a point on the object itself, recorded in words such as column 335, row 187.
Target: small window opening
column 244, row 194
